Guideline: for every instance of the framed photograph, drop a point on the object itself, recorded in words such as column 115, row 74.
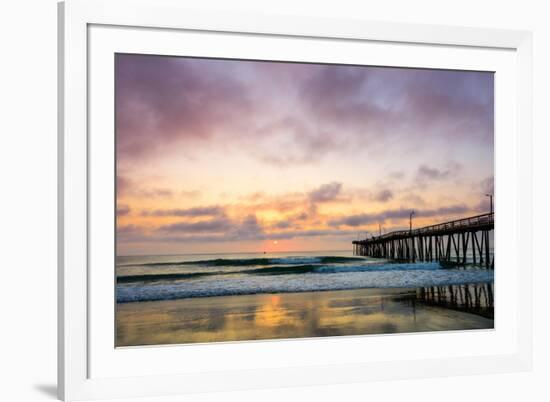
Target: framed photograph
column 255, row 201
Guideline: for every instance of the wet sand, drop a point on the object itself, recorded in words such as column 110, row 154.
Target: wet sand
column 304, row 315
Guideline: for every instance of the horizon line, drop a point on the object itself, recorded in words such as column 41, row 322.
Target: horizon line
column 235, row 252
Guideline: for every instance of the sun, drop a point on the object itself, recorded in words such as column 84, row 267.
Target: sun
column 275, row 242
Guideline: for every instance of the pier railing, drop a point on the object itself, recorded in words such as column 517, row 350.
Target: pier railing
column 464, row 223
column 456, row 226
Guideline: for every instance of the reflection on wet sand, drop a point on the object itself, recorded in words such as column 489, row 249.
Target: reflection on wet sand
column 299, row 315
column 476, row 299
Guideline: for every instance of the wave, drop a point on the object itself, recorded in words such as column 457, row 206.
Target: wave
column 254, row 284
column 390, row 266
column 280, row 270
column 163, row 277
column 239, row 262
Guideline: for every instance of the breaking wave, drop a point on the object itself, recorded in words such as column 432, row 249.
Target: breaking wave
column 241, row 276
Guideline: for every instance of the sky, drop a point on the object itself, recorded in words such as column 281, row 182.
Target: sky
column 218, row 156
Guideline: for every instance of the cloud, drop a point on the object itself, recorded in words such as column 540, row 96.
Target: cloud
column 165, row 100
column 413, row 199
column 221, row 229
column 427, row 173
column 302, row 142
column 254, row 197
column 326, row 192
column 127, row 187
column 482, row 188
column 218, row 229
column 122, row 185
column 198, row 211
column 459, row 102
column 155, row 193
column 312, row 110
column 431, row 173
column 367, row 219
column 307, row 233
column 383, row 195
column 375, row 105
column 287, row 115
column 122, row 210
column 487, row 185
column 450, row 210
column 279, row 204
column 248, row 229
column 211, row 225
column 123, row 231
column 337, row 96
column 190, row 193
column 138, row 236
column 401, row 213
column 397, row 174
column 296, row 202
column 301, row 216
column 282, row 225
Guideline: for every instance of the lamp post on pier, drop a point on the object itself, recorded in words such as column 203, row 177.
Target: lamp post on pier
column 491, row 198
column 411, row 221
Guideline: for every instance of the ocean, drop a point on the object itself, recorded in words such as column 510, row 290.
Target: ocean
column 155, row 278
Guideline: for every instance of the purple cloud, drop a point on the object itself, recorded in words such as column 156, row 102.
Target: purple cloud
column 211, row 225
column 329, row 108
column 326, row 192
column 383, row 195
column 282, row 225
column 198, row 211
column 162, row 100
column 141, row 236
column 122, row 210
column 125, row 186
column 401, row 213
column 427, row 173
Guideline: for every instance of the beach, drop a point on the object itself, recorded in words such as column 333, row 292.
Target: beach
column 304, row 315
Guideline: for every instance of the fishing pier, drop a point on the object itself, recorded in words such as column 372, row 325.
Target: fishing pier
column 445, row 242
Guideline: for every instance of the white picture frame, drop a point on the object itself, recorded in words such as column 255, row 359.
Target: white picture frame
column 82, row 340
